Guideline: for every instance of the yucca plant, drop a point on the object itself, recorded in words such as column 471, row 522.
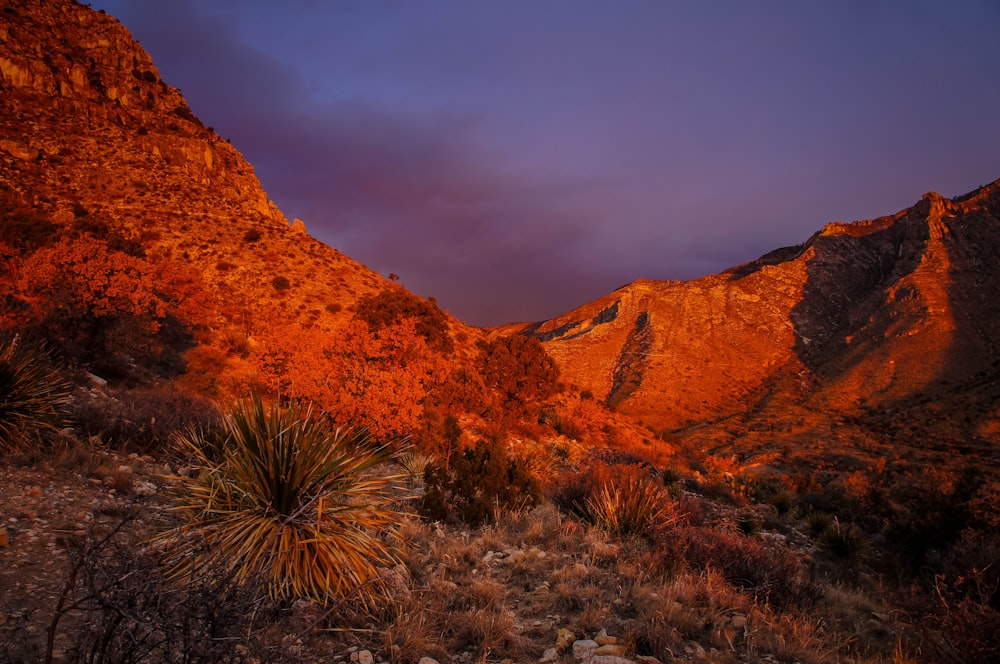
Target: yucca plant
column 285, row 501
column 631, row 506
column 33, row 396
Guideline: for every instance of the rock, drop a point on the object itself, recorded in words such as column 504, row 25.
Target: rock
column 564, row 640
column 646, row 659
column 695, row 650
column 609, row 659
column 739, row 621
column 584, row 649
column 427, row 660
column 550, row 655
column 604, row 640
column 4, row 539
column 611, row 649
column 365, row 657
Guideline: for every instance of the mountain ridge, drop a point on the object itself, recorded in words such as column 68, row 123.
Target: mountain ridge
column 864, row 314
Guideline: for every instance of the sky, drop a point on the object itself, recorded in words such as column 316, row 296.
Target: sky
column 516, row 159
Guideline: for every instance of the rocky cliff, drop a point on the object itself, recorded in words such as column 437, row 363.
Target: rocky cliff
column 91, row 137
column 868, row 316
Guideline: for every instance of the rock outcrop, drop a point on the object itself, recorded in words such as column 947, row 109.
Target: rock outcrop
column 873, row 314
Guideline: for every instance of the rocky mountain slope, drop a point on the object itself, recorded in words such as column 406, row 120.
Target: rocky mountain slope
column 93, row 141
column 867, row 317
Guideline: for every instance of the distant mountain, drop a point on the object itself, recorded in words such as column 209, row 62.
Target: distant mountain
column 870, row 318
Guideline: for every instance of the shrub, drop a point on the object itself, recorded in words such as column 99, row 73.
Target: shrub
column 143, row 419
column 479, row 481
column 632, row 506
column 281, row 283
column 33, row 396
column 286, row 501
column 392, row 306
column 519, row 370
column 251, row 236
column 846, row 542
column 771, row 573
column 747, row 522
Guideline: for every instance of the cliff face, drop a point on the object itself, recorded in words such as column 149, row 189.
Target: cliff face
column 89, row 133
column 873, row 314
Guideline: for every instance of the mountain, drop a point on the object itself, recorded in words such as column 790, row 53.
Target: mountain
column 894, row 320
column 141, row 244
column 96, row 148
column 142, row 248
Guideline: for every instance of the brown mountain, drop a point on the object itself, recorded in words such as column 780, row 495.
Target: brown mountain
column 894, row 320
column 93, row 143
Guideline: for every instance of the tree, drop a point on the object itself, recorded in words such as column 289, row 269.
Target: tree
column 519, row 371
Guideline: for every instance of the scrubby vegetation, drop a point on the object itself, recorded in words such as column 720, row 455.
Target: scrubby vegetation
column 34, row 397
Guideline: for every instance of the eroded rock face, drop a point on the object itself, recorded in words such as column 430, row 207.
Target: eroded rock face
column 89, row 132
column 872, row 312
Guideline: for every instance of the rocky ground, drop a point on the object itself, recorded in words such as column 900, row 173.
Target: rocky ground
column 536, row 585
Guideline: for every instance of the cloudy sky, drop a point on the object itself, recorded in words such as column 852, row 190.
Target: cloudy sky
column 518, row 158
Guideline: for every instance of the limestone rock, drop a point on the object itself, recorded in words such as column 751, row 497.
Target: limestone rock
column 583, row 649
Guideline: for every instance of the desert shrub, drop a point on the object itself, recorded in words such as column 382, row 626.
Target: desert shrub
column 771, row 573
column 286, row 500
column 251, row 236
column 818, row 522
column 564, row 424
column 846, row 542
column 392, row 306
column 144, row 419
column 478, row 482
column 631, row 506
column 747, row 522
column 34, row 397
column 116, row 606
column 281, row 283
column 783, row 502
column 519, row 371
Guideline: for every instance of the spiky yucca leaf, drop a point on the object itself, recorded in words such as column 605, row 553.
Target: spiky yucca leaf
column 33, row 396
column 631, row 506
column 287, row 502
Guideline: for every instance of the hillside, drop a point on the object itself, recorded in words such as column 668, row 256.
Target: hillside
column 93, row 141
column 868, row 320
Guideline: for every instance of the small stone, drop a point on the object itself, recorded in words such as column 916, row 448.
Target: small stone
column 610, row 649
column 609, row 659
column 427, row 660
column 584, row 649
column 695, row 650
column 604, row 640
column 739, row 621
column 564, row 640
column 646, row 659
column 365, row 657
column 550, row 655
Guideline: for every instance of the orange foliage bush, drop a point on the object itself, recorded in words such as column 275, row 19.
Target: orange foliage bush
column 376, row 380
column 82, row 277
